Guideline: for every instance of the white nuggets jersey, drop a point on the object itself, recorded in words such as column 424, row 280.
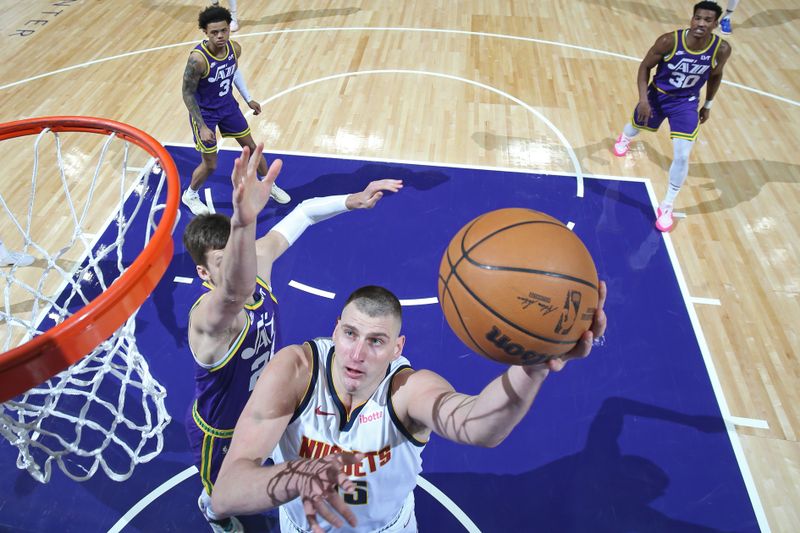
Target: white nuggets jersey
column 385, row 479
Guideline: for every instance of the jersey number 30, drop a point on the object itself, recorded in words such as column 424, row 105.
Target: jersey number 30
column 682, row 81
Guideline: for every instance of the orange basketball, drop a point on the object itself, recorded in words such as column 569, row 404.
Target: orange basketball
column 518, row 286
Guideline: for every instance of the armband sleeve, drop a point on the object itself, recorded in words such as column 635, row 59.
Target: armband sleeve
column 310, row 212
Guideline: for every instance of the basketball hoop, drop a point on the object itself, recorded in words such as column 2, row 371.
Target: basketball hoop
column 77, row 390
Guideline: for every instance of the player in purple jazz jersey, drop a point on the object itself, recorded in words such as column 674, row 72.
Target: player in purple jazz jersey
column 212, row 69
column 685, row 60
column 233, row 326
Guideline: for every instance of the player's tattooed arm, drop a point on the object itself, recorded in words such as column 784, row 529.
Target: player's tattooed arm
column 195, row 68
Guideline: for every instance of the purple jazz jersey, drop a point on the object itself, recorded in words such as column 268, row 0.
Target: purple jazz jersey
column 675, row 89
column 214, row 95
column 683, row 71
column 215, row 89
column 222, row 389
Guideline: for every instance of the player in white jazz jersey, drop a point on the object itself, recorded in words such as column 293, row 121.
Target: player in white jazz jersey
column 345, row 420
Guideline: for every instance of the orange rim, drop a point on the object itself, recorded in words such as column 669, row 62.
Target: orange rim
column 44, row 356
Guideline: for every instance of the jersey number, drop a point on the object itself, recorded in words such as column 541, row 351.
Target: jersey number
column 225, row 85
column 358, row 496
column 681, row 81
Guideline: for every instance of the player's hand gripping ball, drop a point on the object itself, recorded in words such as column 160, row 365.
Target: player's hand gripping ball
column 517, row 286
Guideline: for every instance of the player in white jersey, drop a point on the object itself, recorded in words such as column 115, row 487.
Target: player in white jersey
column 388, row 473
column 358, row 469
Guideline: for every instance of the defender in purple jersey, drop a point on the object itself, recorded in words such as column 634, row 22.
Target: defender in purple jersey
column 233, row 330
column 685, row 60
column 212, row 69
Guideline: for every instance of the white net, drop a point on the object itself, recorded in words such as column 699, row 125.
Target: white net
column 84, row 226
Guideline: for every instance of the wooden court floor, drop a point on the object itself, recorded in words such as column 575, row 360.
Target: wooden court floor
column 514, row 84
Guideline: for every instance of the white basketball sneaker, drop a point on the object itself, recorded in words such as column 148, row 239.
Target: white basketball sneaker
column 16, row 259
column 192, row 200
column 234, row 25
column 279, row 195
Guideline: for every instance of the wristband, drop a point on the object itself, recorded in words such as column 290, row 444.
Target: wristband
column 707, row 105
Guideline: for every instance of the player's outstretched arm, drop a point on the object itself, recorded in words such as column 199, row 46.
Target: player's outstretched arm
column 245, row 487
column 309, row 212
column 488, row 418
column 217, row 311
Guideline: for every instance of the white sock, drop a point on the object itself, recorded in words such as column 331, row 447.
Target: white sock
column 629, row 131
column 190, row 192
column 678, row 170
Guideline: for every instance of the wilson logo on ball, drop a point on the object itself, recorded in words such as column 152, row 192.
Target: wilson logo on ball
column 501, row 340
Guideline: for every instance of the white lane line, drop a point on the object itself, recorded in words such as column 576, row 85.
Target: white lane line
column 448, row 504
column 312, row 290
column 704, row 301
column 716, row 385
column 419, row 301
column 748, row 422
column 182, row 279
column 150, row 498
column 210, row 200
column 679, row 214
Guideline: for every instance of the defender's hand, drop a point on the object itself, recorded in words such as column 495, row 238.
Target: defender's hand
column 207, row 136
column 643, row 112
column 251, row 194
column 367, row 198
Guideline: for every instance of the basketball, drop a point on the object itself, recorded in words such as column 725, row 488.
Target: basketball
column 518, row 286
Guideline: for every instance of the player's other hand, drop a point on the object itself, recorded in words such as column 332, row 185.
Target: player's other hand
column 250, row 194
column 704, row 114
column 367, row 198
column 643, row 112
column 207, row 136
column 255, row 106
column 584, row 345
column 320, row 480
